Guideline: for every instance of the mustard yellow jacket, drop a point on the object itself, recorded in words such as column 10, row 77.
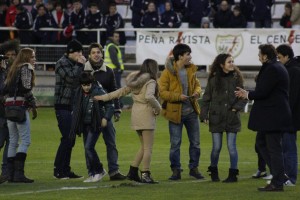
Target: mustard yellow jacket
column 170, row 90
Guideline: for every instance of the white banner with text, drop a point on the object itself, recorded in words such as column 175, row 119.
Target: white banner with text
column 206, row 44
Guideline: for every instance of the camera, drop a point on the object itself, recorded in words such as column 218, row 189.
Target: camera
column 3, row 57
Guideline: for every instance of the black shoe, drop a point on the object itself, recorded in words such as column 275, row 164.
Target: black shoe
column 133, row 174
column 60, row 176
column 176, row 175
column 196, row 174
column 73, row 175
column 118, row 177
column 3, row 178
column 146, row 177
column 271, row 188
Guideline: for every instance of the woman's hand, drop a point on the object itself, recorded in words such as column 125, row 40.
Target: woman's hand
column 98, row 98
column 241, row 93
column 103, row 122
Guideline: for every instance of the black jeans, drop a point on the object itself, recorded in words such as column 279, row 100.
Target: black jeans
column 270, row 146
column 260, row 160
column 63, row 155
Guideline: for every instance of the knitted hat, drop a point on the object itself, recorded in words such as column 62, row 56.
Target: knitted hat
column 74, row 46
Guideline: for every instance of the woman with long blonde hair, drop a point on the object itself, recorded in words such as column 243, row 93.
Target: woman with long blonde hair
column 18, row 89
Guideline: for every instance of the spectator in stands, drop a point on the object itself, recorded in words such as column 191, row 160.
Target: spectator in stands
column 262, row 13
column 24, row 21
column 285, row 20
column 270, row 114
column 205, row 22
column 170, row 19
column 104, row 6
column 50, row 7
column 195, row 10
column 179, row 90
column 76, row 21
column 179, row 8
column 42, row 20
column 137, row 8
column 114, row 21
column 247, row 9
column 223, row 16
column 4, row 34
column 143, row 87
column 237, row 19
column 295, row 17
column 10, row 49
column 94, row 20
column 151, row 18
column 34, row 10
column 221, row 110
column 289, row 141
column 10, row 18
column 215, row 4
column 160, row 4
column 67, row 71
column 57, row 17
column 113, row 56
column 106, row 77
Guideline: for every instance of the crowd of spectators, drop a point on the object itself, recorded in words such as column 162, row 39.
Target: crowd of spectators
column 71, row 16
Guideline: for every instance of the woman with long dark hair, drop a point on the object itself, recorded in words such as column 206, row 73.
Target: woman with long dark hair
column 220, row 109
column 19, row 83
column 144, row 89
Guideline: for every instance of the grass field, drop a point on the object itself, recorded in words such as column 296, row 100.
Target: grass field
column 45, row 140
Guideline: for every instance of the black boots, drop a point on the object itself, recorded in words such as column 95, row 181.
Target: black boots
column 176, row 174
column 9, row 174
column 232, row 177
column 146, row 177
column 214, row 174
column 133, row 174
column 19, row 164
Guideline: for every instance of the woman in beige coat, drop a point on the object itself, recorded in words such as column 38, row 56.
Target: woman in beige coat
column 144, row 89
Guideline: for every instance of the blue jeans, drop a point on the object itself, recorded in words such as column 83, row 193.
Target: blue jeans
column 109, row 136
column 93, row 163
column 63, row 155
column 217, row 146
column 4, row 142
column 18, row 131
column 191, row 123
column 290, row 158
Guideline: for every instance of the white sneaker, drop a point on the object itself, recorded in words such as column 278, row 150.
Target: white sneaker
column 289, row 183
column 99, row 177
column 269, row 177
column 89, row 179
column 268, row 182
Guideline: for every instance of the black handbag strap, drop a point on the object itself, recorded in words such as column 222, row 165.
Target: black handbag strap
column 17, row 82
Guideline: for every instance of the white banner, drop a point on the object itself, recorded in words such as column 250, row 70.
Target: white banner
column 206, row 44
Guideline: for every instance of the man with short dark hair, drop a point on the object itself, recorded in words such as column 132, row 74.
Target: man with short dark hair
column 67, row 71
column 105, row 76
column 180, row 89
column 285, row 55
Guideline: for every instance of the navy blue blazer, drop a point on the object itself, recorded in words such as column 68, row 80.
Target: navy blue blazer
column 271, row 111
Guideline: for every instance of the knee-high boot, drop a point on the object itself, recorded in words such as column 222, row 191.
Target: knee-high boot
column 19, row 165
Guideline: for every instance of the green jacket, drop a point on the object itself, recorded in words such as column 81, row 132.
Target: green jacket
column 217, row 105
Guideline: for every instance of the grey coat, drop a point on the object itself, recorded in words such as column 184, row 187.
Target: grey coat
column 217, row 105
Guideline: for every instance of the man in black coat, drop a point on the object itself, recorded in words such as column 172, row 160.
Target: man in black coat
column 289, row 141
column 105, row 76
column 270, row 115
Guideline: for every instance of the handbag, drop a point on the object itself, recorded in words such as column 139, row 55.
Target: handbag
column 15, row 113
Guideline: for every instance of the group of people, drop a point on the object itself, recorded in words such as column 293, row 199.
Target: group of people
column 86, row 99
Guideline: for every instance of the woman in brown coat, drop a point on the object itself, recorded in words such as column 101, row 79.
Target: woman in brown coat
column 144, row 89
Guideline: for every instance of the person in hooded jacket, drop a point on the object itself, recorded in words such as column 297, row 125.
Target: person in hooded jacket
column 151, row 18
column 170, row 19
column 144, row 89
column 220, row 109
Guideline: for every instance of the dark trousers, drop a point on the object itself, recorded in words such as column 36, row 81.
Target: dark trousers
column 270, row 146
column 260, row 162
column 4, row 142
column 63, row 155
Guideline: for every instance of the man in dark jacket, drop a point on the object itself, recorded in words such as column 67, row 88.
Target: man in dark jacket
column 223, row 17
column 289, row 141
column 169, row 18
column 137, row 7
column 105, row 76
column 67, row 71
column 262, row 13
column 195, row 10
column 24, row 21
column 271, row 114
column 94, row 20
